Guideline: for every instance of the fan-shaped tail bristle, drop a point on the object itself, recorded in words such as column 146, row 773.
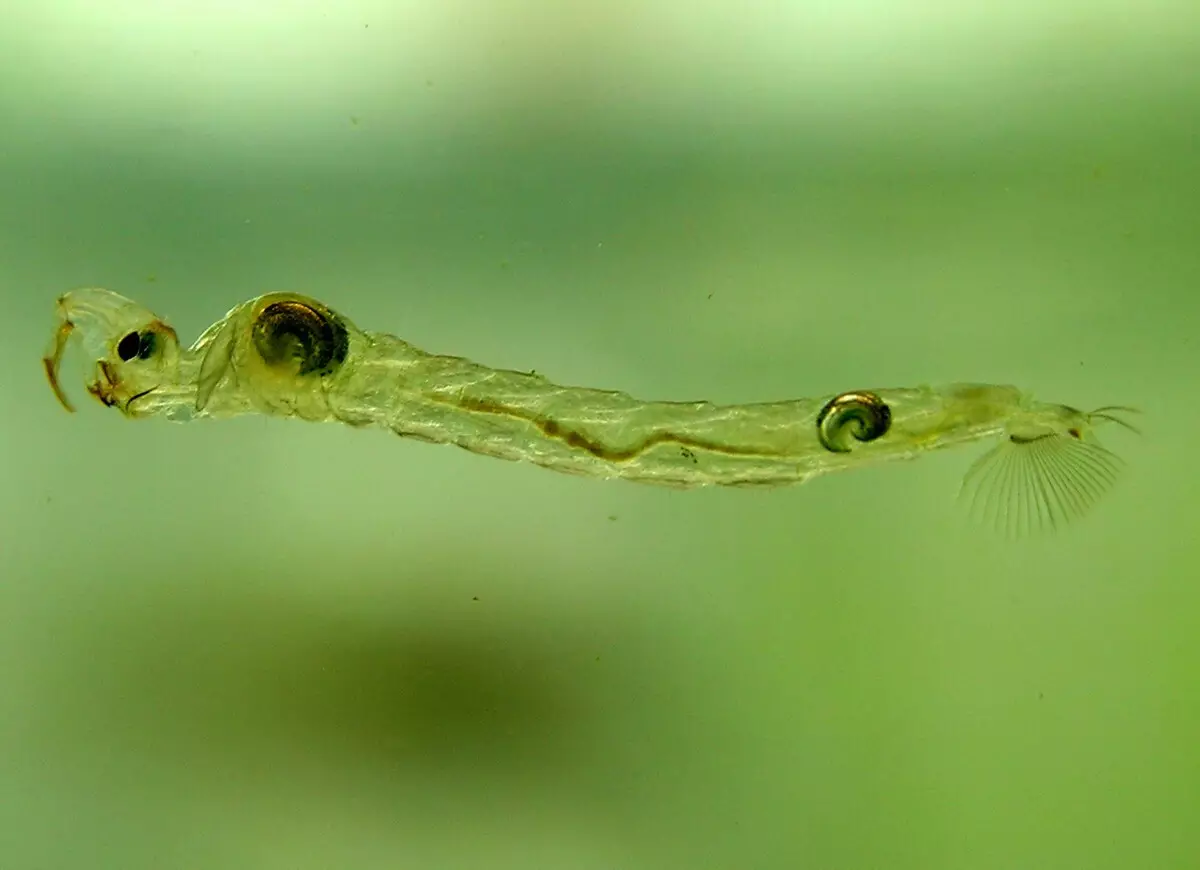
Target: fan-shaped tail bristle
column 1027, row 487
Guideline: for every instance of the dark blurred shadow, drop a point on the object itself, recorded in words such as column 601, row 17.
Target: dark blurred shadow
column 425, row 669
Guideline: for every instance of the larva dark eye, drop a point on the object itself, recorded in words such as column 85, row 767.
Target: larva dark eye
column 129, row 346
column 137, row 344
column 147, row 344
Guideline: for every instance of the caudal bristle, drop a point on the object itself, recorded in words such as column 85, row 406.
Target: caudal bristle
column 1022, row 487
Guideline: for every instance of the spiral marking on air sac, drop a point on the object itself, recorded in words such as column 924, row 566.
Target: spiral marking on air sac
column 850, row 417
column 313, row 337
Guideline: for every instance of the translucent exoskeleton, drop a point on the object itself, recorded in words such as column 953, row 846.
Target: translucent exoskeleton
column 287, row 355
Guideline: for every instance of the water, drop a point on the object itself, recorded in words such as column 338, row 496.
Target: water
column 274, row 645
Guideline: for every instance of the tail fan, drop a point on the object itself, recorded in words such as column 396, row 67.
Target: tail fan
column 1032, row 486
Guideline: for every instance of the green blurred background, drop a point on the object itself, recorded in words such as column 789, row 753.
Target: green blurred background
column 262, row 644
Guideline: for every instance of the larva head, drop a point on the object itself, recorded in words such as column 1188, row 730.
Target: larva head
column 134, row 352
